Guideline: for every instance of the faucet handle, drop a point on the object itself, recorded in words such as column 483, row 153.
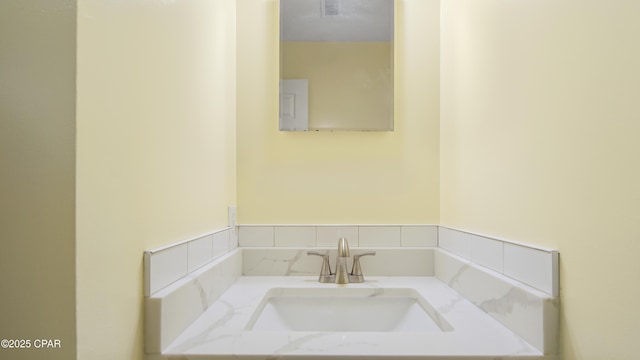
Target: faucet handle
column 356, row 271
column 325, row 271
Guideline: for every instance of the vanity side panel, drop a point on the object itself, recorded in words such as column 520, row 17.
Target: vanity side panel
column 552, row 325
column 152, row 325
column 171, row 310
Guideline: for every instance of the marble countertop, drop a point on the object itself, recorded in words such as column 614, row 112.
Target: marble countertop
column 220, row 332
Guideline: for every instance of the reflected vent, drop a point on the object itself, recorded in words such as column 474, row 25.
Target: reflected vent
column 330, row 7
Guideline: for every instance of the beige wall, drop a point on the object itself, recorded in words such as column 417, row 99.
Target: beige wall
column 539, row 134
column 350, row 83
column 37, row 159
column 339, row 177
column 155, row 150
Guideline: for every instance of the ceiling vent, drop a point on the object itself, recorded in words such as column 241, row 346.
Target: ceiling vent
column 330, row 7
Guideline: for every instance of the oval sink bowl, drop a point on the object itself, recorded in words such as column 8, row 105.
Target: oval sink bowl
column 346, row 310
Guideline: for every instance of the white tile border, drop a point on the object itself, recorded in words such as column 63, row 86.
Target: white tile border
column 418, row 236
column 497, row 238
column 530, row 264
column 292, row 236
column 200, row 252
column 455, row 242
column 380, row 236
column 488, row 252
column 327, row 235
column 538, row 267
column 533, row 265
column 221, row 243
column 256, row 236
column 167, row 264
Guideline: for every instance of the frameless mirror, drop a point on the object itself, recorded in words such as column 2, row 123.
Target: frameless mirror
column 336, row 65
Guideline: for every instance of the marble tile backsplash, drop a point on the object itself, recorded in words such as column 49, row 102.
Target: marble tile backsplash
column 289, row 261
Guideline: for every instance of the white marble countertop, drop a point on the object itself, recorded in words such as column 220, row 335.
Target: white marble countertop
column 220, row 332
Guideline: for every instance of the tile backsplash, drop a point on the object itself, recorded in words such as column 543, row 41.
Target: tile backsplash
column 328, row 235
column 534, row 266
column 379, row 236
column 165, row 265
column 294, row 236
column 419, row 236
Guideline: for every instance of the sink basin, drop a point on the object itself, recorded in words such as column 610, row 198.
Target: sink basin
column 346, row 310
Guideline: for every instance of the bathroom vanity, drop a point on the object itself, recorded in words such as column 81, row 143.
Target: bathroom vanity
column 267, row 303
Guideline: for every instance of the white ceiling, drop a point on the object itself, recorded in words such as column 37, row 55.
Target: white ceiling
column 359, row 20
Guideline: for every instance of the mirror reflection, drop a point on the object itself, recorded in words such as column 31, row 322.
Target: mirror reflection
column 336, row 65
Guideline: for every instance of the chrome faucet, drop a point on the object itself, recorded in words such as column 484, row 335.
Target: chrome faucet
column 341, row 276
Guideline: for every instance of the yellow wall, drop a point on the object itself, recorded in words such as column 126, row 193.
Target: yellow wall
column 155, row 150
column 37, row 159
column 539, row 134
column 339, row 177
column 537, row 143
column 350, row 83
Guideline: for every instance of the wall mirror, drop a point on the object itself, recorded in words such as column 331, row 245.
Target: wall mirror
column 336, row 65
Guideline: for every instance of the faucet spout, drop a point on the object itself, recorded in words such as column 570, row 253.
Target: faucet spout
column 343, row 247
column 342, row 276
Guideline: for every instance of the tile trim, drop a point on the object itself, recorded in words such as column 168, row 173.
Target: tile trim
column 536, row 247
column 152, row 285
column 463, row 245
column 550, row 285
column 178, row 243
column 432, row 241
